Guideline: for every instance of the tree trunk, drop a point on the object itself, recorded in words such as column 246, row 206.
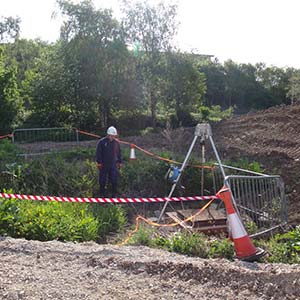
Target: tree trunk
column 153, row 109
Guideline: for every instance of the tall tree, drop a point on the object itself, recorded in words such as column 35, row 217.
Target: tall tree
column 294, row 87
column 49, row 87
column 152, row 28
column 275, row 81
column 185, row 85
column 215, row 81
column 95, row 57
column 10, row 101
column 9, row 28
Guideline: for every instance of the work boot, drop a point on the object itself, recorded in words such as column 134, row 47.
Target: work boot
column 114, row 191
column 102, row 191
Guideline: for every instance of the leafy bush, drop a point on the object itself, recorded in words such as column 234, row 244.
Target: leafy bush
column 8, row 151
column 251, row 227
column 221, row 249
column 193, row 244
column 123, row 119
column 110, row 218
column 143, row 237
column 213, row 113
column 47, row 221
column 283, row 248
column 62, row 221
column 143, row 176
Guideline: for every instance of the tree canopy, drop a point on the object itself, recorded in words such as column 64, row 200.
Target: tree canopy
column 125, row 72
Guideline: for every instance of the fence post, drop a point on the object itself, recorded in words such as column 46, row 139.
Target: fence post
column 77, row 136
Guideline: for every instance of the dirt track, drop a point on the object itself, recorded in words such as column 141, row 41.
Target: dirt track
column 53, row 270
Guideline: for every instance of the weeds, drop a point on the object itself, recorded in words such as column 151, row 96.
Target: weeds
column 283, row 248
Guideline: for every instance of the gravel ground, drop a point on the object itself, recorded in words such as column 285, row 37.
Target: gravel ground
column 54, row 270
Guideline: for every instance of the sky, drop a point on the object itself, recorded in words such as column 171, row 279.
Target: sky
column 246, row 31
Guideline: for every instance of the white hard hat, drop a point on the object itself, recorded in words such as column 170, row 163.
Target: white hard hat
column 112, row 131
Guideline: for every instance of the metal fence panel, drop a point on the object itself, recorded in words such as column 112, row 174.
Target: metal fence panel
column 260, row 200
column 55, row 134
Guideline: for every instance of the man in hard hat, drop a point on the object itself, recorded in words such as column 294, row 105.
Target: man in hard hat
column 109, row 160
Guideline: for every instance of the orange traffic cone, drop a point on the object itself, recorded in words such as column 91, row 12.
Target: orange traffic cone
column 243, row 246
column 132, row 153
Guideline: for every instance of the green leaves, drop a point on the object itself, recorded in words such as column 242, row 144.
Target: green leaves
column 46, row 221
column 9, row 28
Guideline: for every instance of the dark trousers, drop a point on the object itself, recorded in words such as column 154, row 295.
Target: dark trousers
column 108, row 174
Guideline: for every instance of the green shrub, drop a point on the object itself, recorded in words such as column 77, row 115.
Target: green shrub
column 282, row 248
column 62, row 221
column 221, row 249
column 193, row 244
column 143, row 177
column 213, row 113
column 110, row 218
column 47, row 221
column 143, row 237
column 251, row 227
column 162, row 242
column 8, row 151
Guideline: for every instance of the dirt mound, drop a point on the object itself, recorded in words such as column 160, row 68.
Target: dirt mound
column 54, row 270
column 270, row 137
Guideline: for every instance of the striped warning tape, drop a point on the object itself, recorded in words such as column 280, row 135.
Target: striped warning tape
column 5, row 136
column 105, row 200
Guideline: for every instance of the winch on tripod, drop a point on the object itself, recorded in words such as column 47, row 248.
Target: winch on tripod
column 172, row 174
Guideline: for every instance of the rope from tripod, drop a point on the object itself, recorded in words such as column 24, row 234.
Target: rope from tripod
column 141, row 218
column 148, row 152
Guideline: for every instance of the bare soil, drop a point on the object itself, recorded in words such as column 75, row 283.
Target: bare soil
column 53, row 270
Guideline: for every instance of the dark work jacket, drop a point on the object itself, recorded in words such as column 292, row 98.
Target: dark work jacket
column 108, row 152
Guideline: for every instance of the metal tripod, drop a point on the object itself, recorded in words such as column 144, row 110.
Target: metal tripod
column 204, row 132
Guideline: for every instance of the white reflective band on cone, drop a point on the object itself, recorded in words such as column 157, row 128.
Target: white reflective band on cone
column 236, row 226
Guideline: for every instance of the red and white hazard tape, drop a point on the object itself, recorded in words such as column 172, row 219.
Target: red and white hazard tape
column 106, row 200
column 5, row 136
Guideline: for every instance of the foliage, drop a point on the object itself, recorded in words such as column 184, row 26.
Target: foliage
column 94, row 58
column 283, row 248
column 10, row 101
column 143, row 176
column 144, row 236
column 103, row 71
column 190, row 244
column 62, row 221
column 8, row 151
column 221, row 249
column 9, row 28
column 110, row 218
column 184, row 94
column 213, row 114
column 152, row 27
column 47, row 221
column 294, row 88
column 245, row 164
column 251, row 227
